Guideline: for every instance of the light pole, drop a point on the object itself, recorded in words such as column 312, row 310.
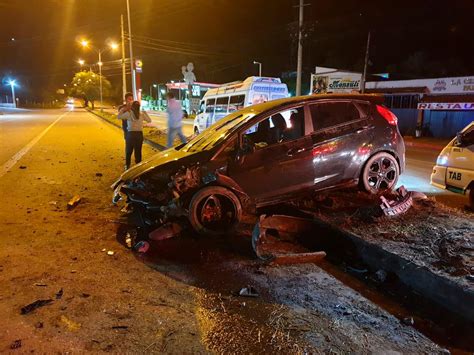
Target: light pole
column 259, row 67
column 157, row 93
column 12, row 85
column 112, row 46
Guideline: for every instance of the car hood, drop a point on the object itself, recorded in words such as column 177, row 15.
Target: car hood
column 158, row 159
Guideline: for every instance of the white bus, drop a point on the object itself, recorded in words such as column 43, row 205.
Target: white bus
column 219, row 102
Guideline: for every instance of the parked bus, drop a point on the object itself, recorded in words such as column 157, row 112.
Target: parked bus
column 219, row 102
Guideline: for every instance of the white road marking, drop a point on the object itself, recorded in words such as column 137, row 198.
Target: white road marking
column 14, row 159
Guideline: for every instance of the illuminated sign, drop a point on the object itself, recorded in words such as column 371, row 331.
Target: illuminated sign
column 335, row 83
column 138, row 65
column 446, row 106
column 196, row 90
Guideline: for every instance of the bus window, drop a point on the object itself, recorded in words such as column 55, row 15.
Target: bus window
column 236, row 103
column 201, row 106
column 221, row 104
column 210, row 103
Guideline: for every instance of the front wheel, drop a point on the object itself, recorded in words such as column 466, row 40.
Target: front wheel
column 215, row 210
column 380, row 173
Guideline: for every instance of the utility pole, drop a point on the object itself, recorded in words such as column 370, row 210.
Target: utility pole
column 124, row 71
column 300, row 50
column 100, row 80
column 132, row 64
column 365, row 65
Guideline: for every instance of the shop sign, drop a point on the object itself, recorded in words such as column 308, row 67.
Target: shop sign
column 446, row 106
column 322, row 84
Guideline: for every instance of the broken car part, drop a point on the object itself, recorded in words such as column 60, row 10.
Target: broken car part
column 36, row 304
column 399, row 205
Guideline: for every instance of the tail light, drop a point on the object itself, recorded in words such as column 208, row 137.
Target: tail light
column 388, row 115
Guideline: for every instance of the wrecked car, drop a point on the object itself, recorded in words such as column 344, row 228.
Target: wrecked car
column 266, row 154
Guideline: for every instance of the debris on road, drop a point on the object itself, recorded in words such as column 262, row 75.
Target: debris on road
column 22, row 167
column 166, row 231
column 40, row 284
column 71, row 325
column 110, row 252
column 36, row 304
column 39, row 325
column 120, row 327
column 54, row 203
column 59, row 294
column 248, row 291
column 16, row 344
column 73, row 202
column 275, row 238
column 99, row 174
column 399, row 205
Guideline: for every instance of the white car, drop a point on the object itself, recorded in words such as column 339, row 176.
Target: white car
column 454, row 169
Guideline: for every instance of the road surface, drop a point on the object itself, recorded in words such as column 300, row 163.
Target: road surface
column 179, row 298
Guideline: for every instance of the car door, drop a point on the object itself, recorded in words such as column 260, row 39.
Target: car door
column 277, row 166
column 342, row 136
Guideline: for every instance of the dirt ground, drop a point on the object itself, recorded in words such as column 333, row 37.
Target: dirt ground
column 179, row 298
column 430, row 234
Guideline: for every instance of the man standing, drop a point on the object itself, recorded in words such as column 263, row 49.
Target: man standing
column 175, row 120
column 127, row 104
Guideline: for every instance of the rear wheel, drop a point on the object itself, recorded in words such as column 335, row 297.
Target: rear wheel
column 380, row 173
column 214, row 210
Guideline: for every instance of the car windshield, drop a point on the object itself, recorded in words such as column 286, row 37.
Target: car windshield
column 218, row 132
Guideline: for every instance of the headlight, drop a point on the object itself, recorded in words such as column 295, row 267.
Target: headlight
column 442, row 159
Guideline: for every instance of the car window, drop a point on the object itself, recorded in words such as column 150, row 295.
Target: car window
column 329, row 114
column 210, row 103
column 236, row 102
column 280, row 127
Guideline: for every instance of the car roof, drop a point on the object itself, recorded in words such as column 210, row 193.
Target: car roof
column 374, row 98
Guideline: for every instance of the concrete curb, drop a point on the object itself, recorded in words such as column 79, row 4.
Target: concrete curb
column 145, row 140
column 442, row 291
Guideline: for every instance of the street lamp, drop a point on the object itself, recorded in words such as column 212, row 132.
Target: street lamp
column 12, row 85
column 112, row 46
column 259, row 67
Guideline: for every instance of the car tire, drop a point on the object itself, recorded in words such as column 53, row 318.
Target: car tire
column 380, row 173
column 215, row 210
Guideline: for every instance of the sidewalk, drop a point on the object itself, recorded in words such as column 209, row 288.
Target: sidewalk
column 426, row 142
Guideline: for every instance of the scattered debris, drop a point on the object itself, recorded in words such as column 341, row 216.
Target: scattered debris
column 298, row 258
column 39, row 325
column 248, row 291
column 275, row 238
column 41, row 284
column 22, row 167
column 36, row 304
column 417, row 195
column 71, row 325
column 104, row 250
column 99, row 174
column 54, row 203
column 16, row 344
column 120, row 327
column 73, row 202
column 59, row 294
column 402, row 203
column 128, row 241
column 73, row 271
column 110, row 252
column 141, row 247
column 85, row 295
column 166, row 231
column 408, row 321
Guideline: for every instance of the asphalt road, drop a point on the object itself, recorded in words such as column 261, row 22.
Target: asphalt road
column 177, row 298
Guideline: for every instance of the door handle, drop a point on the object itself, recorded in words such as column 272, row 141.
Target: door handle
column 365, row 128
column 294, row 151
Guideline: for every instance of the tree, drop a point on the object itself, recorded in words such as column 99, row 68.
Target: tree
column 86, row 85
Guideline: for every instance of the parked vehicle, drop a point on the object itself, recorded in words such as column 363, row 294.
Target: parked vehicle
column 219, row 102
column 252, row 158
column 454, row 169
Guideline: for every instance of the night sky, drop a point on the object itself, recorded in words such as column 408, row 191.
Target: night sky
column 410, row 39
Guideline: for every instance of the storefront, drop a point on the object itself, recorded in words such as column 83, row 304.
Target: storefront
column 429, row 107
